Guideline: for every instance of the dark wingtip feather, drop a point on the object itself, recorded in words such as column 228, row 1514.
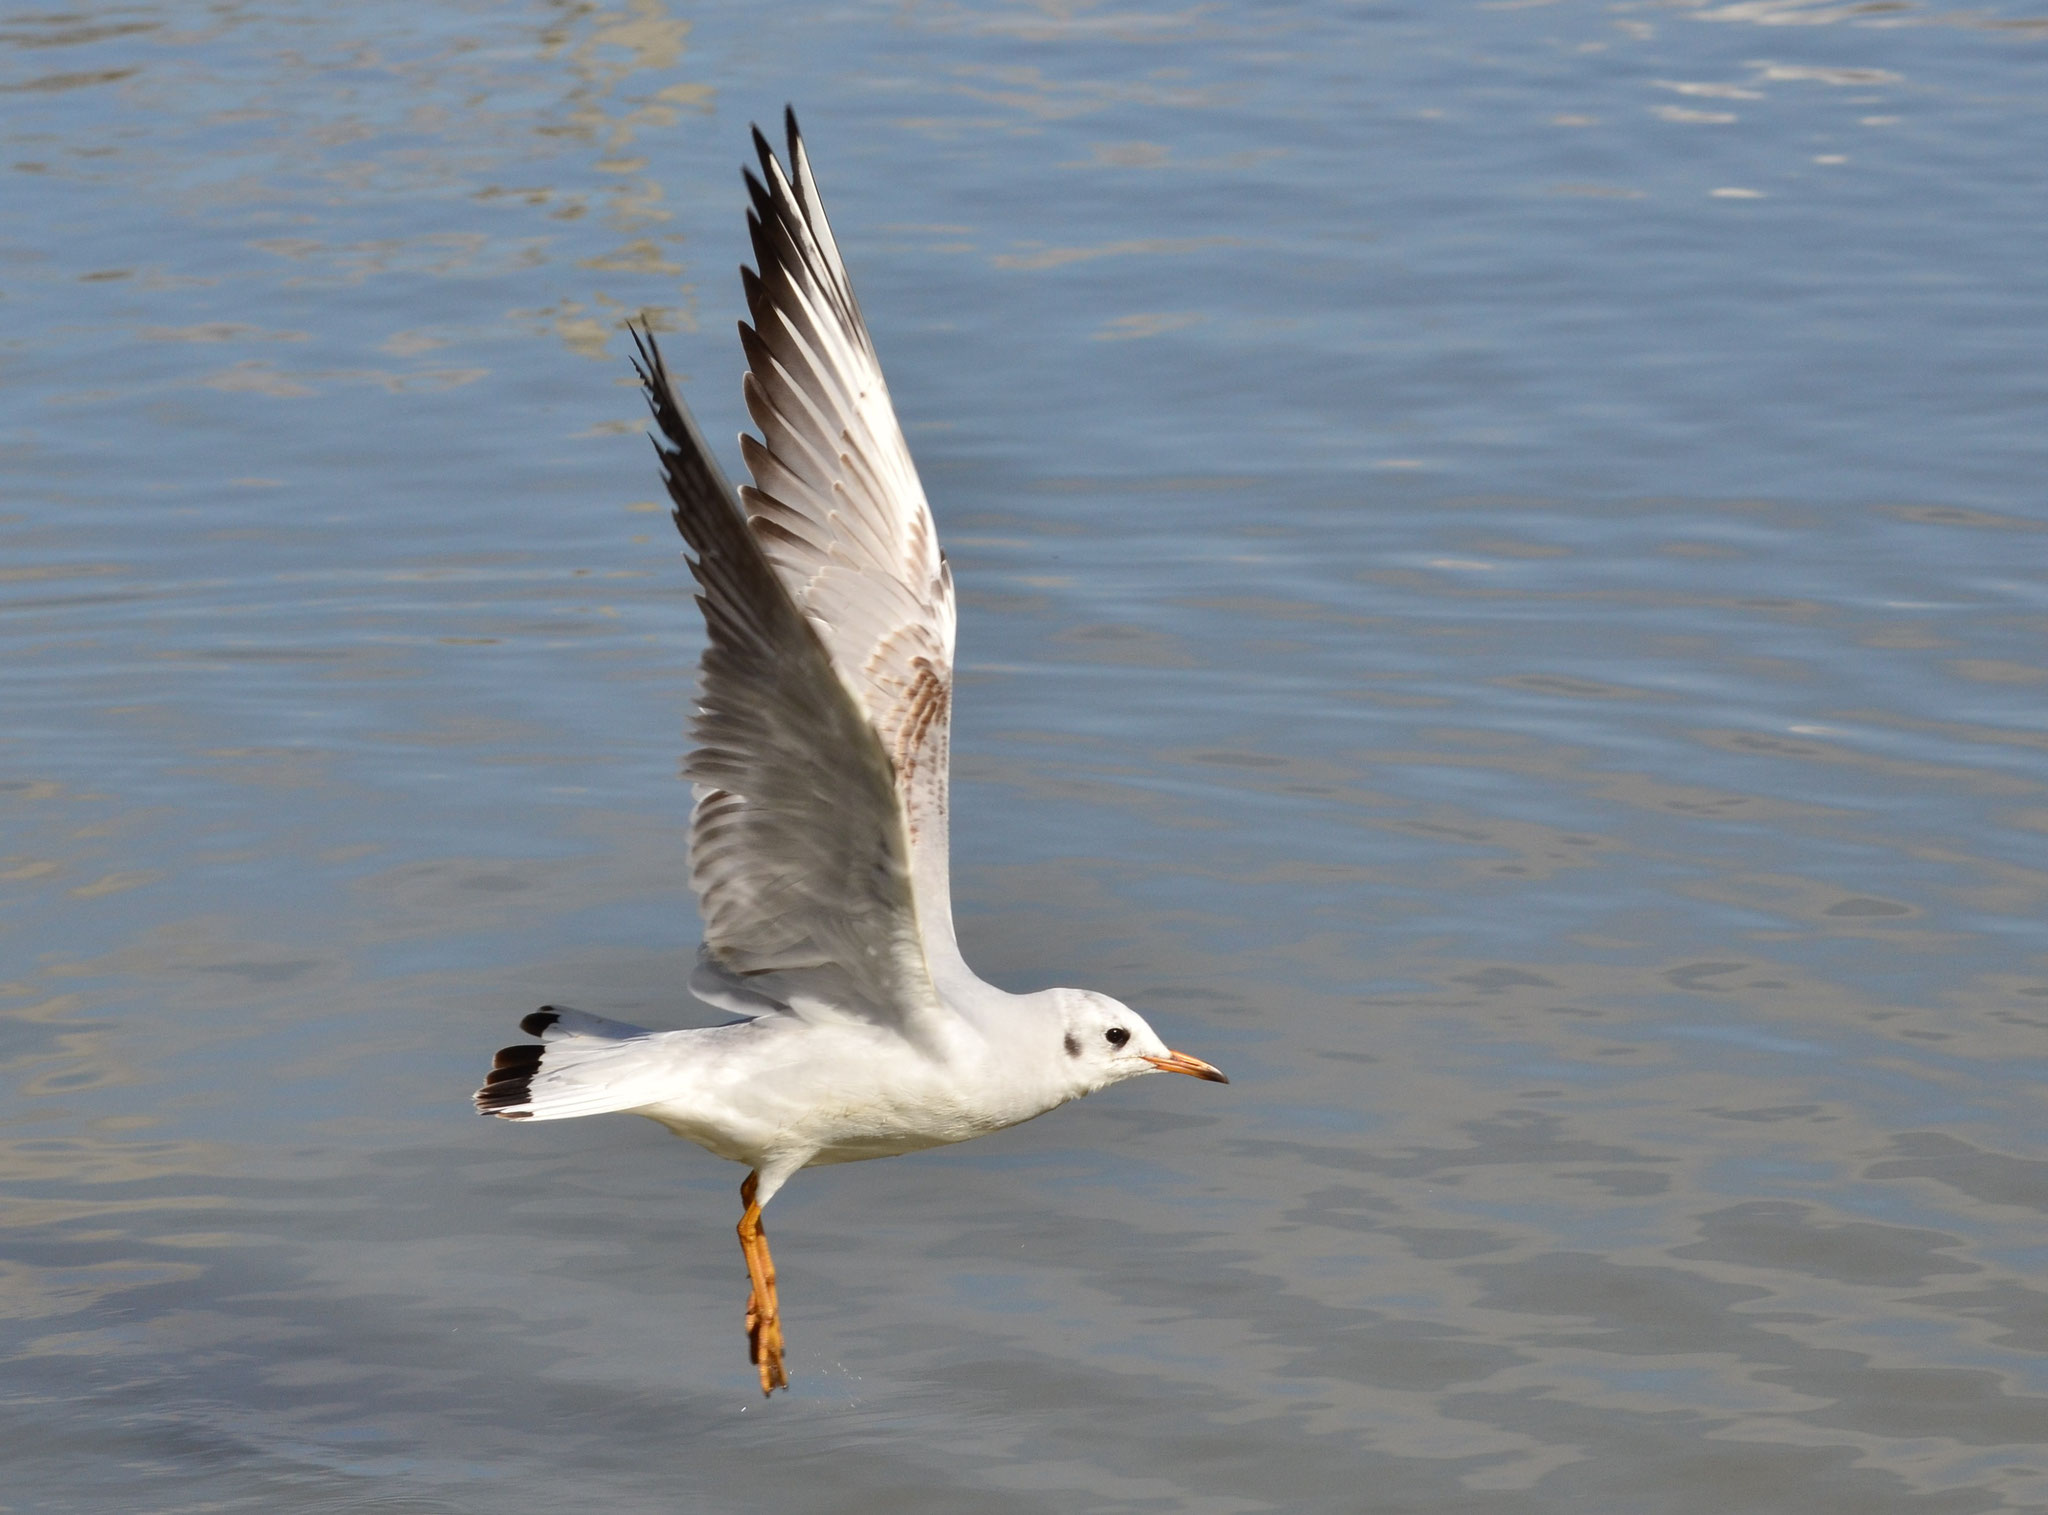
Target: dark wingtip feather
column 651, row 371
column 760, row 199
column 540, row 1020
column 647, row 357
column 697, row 486
column 795, row 137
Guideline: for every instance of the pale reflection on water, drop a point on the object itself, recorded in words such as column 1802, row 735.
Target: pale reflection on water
column 1501, row 562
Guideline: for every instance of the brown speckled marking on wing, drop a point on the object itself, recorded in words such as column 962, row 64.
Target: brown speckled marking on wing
column 921, row 719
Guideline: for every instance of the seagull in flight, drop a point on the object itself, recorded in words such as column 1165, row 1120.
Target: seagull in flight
column 818, row 838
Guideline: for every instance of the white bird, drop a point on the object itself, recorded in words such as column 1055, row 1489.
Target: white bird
column 818, row 838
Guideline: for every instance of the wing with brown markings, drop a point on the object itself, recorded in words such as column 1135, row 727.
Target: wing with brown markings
column 837, row 506
column 818, row 842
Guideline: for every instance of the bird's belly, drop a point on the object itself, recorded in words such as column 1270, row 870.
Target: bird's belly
column 838, row 1109
column 841, row 1135
column 890, row 1122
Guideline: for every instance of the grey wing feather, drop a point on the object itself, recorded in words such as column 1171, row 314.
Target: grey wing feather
column 838, row 509
column 798, row 849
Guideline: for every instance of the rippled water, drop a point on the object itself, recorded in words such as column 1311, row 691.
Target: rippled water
column 1502, row 555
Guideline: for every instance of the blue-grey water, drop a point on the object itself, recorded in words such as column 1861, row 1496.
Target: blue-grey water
column 1502, row 558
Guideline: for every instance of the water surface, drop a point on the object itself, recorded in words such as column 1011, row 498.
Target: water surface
column 1501, row 561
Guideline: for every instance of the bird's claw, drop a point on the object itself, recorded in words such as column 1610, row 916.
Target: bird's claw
column 764, row 1347
column 764, row 1317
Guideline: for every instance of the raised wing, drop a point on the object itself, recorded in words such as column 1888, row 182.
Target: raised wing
column 837, row 506
column 798, row 849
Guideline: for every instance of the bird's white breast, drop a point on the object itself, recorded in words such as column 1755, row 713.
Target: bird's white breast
column 768, row 1090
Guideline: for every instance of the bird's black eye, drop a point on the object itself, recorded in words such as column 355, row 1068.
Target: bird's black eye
column 1116, row 1036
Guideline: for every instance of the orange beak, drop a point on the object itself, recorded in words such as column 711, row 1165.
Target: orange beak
column 1194, row 1067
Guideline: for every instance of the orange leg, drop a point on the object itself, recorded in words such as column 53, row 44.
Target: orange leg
column 764, row 1313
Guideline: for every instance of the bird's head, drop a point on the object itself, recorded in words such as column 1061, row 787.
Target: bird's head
column 1103, row 1042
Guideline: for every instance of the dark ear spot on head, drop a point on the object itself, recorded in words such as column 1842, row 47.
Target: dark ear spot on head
column 1073, row 1045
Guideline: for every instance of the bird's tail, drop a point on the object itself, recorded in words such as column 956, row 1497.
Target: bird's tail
column 574, row 1070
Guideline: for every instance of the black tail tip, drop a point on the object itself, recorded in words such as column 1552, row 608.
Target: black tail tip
column 522, row 1061
column 538, row 1022
column 510, row 1080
